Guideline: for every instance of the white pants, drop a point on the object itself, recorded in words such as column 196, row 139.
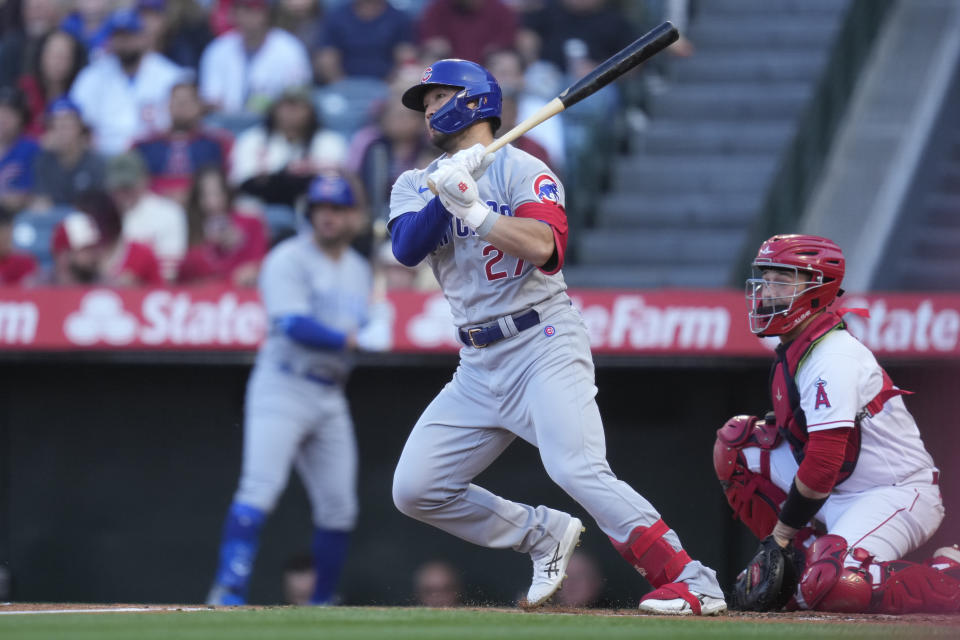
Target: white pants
column 291, row 420
column 887, row 521
column 538, row 385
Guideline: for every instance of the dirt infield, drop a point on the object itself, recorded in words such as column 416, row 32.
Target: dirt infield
column 11, row 608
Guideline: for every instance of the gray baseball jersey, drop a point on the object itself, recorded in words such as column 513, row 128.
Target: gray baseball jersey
column 480, row 281
column 296, row 411
column 537, row 383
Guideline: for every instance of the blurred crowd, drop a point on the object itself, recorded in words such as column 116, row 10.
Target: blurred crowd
column 172, row 141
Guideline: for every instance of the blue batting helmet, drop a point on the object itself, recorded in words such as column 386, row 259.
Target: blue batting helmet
column 330, row 189
column 477, row 85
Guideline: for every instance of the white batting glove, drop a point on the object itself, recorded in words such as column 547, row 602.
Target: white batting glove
column 459, row 194
column 474, row 159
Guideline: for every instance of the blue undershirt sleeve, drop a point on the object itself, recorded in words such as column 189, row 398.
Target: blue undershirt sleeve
column 416, row 234
column 308, row 332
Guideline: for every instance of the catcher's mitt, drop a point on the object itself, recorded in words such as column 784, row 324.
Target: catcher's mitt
column 769, row 580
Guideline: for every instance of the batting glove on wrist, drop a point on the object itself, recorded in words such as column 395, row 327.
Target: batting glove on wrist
column 475, row 160
column 459, row 195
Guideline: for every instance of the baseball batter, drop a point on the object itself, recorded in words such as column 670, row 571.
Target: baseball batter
column 316, row 290
column 495, row 237
column 840, row 450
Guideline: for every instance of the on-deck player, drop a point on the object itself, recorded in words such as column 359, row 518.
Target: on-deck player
column 316, row 291
column 843, row 451
column 495, row 238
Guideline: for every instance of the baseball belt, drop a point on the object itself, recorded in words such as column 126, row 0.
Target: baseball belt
column 485, row 335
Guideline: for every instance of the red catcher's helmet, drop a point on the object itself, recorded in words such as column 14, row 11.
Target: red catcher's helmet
column 783, row 299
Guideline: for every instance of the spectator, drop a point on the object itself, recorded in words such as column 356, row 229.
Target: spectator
column 18, row 45
column 276, row 161
column 546, row 140
column 364, row 38
column 88, row 248
column 299, row 579
column 562, row 29
column 243, row 70
column 67, row 165
column 583, row 585
column 173, row 157
column 508, row 118
column 123, row 95
column 222, row 244
column 391, row 275
column 148, row 218
column 302, row 18
column 177, row 29
column 466, row 29
column 90, row 24
column 58, row 61
column 437, row 584
column 380, row 152
column 15, row 267
column 17, row 152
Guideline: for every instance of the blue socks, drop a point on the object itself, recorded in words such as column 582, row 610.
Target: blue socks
column 238, row 550
column 329, row 551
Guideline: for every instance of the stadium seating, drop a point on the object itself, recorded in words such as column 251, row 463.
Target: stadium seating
column 681, row 205
column 349, row 104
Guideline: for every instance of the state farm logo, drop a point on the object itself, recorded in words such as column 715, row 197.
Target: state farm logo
column 434, row 327
column 893, row 330
column 630, row 322
column 18, row 322
column 101, row 317
column 165, row 318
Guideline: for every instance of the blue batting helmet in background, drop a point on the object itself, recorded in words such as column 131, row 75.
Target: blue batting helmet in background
column 476, row 84
column 330, row 189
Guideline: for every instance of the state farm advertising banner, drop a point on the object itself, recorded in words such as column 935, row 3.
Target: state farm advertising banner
column 660, row 322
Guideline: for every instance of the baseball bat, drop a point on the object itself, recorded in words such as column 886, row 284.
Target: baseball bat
column 642, row 49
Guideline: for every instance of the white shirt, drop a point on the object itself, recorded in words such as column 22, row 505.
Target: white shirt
column 236, row 82
column 838, row 378
column 254, row 153
column 120, row 108
column 162, row 224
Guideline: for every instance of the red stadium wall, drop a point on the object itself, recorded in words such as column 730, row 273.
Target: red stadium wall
column 118, row 459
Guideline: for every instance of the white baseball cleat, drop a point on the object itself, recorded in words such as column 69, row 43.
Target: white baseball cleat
column 949, row 553
column 676, row 599
column 549, row 569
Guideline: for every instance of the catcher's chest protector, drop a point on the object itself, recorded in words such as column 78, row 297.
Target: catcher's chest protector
column 791, row 421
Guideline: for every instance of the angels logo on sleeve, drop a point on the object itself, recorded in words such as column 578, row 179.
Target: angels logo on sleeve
column 546, row 190
column 822, row 399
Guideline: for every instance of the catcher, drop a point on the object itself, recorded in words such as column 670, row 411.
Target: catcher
column 839, row 453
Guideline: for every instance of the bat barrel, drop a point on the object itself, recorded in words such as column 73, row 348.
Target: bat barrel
column 645, row 47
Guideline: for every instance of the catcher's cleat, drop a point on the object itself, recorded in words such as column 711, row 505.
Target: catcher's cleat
column 549, row 569
column 676, row 599
column 947, row 559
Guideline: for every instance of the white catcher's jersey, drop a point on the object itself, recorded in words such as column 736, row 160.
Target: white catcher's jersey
column 298, row 278
column 839, row 377
column 480, row 282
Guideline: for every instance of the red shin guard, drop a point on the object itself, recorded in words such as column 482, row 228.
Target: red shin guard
column 651, row 555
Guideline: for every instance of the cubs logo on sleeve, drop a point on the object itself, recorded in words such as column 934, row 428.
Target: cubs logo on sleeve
column 546, row 190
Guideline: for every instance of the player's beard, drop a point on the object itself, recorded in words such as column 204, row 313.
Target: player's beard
column 83, row 273
column 446, row 142
column 129, row 59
